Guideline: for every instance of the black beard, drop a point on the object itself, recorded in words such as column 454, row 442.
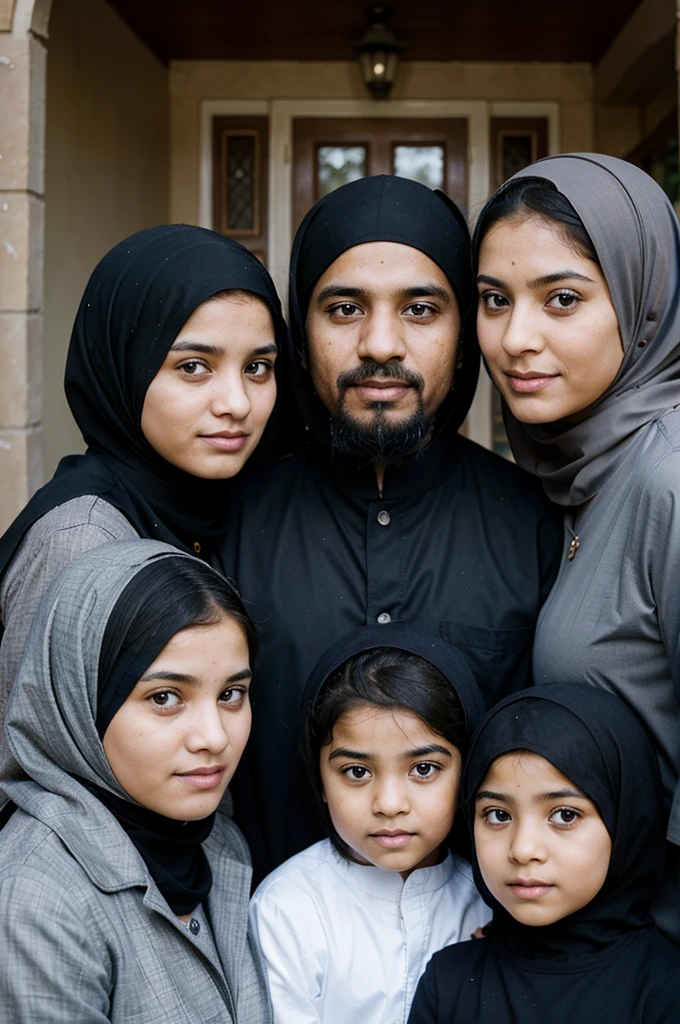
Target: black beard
column 380, row 442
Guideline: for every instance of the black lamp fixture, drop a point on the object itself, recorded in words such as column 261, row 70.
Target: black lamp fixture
column 378, row 52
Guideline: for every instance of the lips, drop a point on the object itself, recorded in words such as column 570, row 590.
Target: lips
column 528, row 383
column 382, row 390
column 529, row 888
column 226, row 442
column 206, row 777
column 392, row 840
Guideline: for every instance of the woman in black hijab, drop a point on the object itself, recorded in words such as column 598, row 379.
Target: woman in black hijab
column 170, row 378
column 604, row 961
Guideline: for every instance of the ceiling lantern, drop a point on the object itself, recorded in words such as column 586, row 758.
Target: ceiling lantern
column 378, row 52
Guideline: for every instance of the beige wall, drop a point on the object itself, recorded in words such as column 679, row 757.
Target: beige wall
column 107, row 172
column 570, row 85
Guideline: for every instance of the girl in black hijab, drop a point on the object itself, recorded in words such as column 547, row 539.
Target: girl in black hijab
column 170, row 378
column 562, row 793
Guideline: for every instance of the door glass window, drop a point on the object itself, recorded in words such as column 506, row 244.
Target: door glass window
column 421, row 163
column 336, row 165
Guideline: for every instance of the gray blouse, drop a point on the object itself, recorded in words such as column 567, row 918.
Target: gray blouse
column 613, row 616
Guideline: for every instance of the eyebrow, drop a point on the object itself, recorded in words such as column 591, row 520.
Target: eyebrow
column 335, row 291
column 197, row 346
column 180, row 677
column 358, row 755
column 556, row 794
column 431, row 748
column 539, row 282
column 217, row 350
column 264, row 350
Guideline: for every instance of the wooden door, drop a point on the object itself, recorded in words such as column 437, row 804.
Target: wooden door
column 329, row 152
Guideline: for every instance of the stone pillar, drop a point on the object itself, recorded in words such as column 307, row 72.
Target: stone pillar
column 22, row 203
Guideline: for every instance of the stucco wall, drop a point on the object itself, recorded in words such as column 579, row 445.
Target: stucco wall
column 107, row 172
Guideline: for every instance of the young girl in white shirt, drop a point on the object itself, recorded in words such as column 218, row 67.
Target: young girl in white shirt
column 348, row 925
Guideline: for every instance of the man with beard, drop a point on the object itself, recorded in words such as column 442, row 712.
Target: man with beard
column 386, row 513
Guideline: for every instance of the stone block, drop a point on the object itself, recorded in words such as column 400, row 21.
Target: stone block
column 22, row 114
column 22, row 217
column 21, row 377
column 6, row 12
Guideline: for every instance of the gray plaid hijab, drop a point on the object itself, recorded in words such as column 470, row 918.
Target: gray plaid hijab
column 636, row 235
column 50, row 729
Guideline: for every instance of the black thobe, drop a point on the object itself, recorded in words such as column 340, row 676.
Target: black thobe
column 461, row 543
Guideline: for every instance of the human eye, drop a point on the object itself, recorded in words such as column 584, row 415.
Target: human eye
column 496, row 816
column 356, row 772
column 258, row 368
column 164, row 700
column 425, row 770
column 234, row 697
column 493, row 302
column 421, row 310
column 193, row 368
column 564, row 817
column 564, row 301
column 344, row 310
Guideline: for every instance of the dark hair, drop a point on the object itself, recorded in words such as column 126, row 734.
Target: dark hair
column 168, row 595
column 388, row 678
column 540, row 198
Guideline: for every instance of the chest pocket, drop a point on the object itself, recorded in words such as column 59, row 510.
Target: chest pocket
column 500, row 659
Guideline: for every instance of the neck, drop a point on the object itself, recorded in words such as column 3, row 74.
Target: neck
column 380, row 476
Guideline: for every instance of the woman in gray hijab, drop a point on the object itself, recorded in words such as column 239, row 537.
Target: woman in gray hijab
column 579, row 323
column 123, row 887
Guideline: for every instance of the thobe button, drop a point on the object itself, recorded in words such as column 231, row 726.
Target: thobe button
column 194, row 926
column 384, row 518
column 384, row 618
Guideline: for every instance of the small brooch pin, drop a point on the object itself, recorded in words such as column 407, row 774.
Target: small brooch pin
column 573, row 549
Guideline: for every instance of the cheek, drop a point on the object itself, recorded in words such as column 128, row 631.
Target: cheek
column 135, row 752
column 263, row 399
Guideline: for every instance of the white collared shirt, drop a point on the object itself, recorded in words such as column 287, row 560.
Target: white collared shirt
column 346, row 943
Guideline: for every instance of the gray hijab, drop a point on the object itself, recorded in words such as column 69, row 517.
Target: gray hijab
column 50, row 729
column 636, row 235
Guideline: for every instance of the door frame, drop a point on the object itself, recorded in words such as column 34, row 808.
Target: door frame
column 281, row 114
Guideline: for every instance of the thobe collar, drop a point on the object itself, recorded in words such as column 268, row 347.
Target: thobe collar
column 389, row 885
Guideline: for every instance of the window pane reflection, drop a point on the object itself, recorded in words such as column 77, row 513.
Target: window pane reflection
column 421, row 163
column 336, row 165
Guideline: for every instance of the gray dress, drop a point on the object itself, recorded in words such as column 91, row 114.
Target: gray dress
column 613, row 616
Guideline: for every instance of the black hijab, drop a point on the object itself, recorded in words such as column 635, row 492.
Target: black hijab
column 606, row 962
column 389, row 209
column 137, row 300
column 598, row 742
column 401, row 636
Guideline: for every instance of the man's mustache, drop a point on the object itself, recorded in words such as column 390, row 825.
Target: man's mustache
column 384, row 371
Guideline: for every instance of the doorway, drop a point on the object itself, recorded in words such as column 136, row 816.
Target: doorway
column 330, row 152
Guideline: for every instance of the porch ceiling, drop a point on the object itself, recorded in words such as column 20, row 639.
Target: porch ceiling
column 495, row 30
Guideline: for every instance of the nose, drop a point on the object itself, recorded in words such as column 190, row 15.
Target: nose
column 391, row 798
column 526, row 844
column 205, row 729
column 230, row 397
column 522, row 331
column 382, row 337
